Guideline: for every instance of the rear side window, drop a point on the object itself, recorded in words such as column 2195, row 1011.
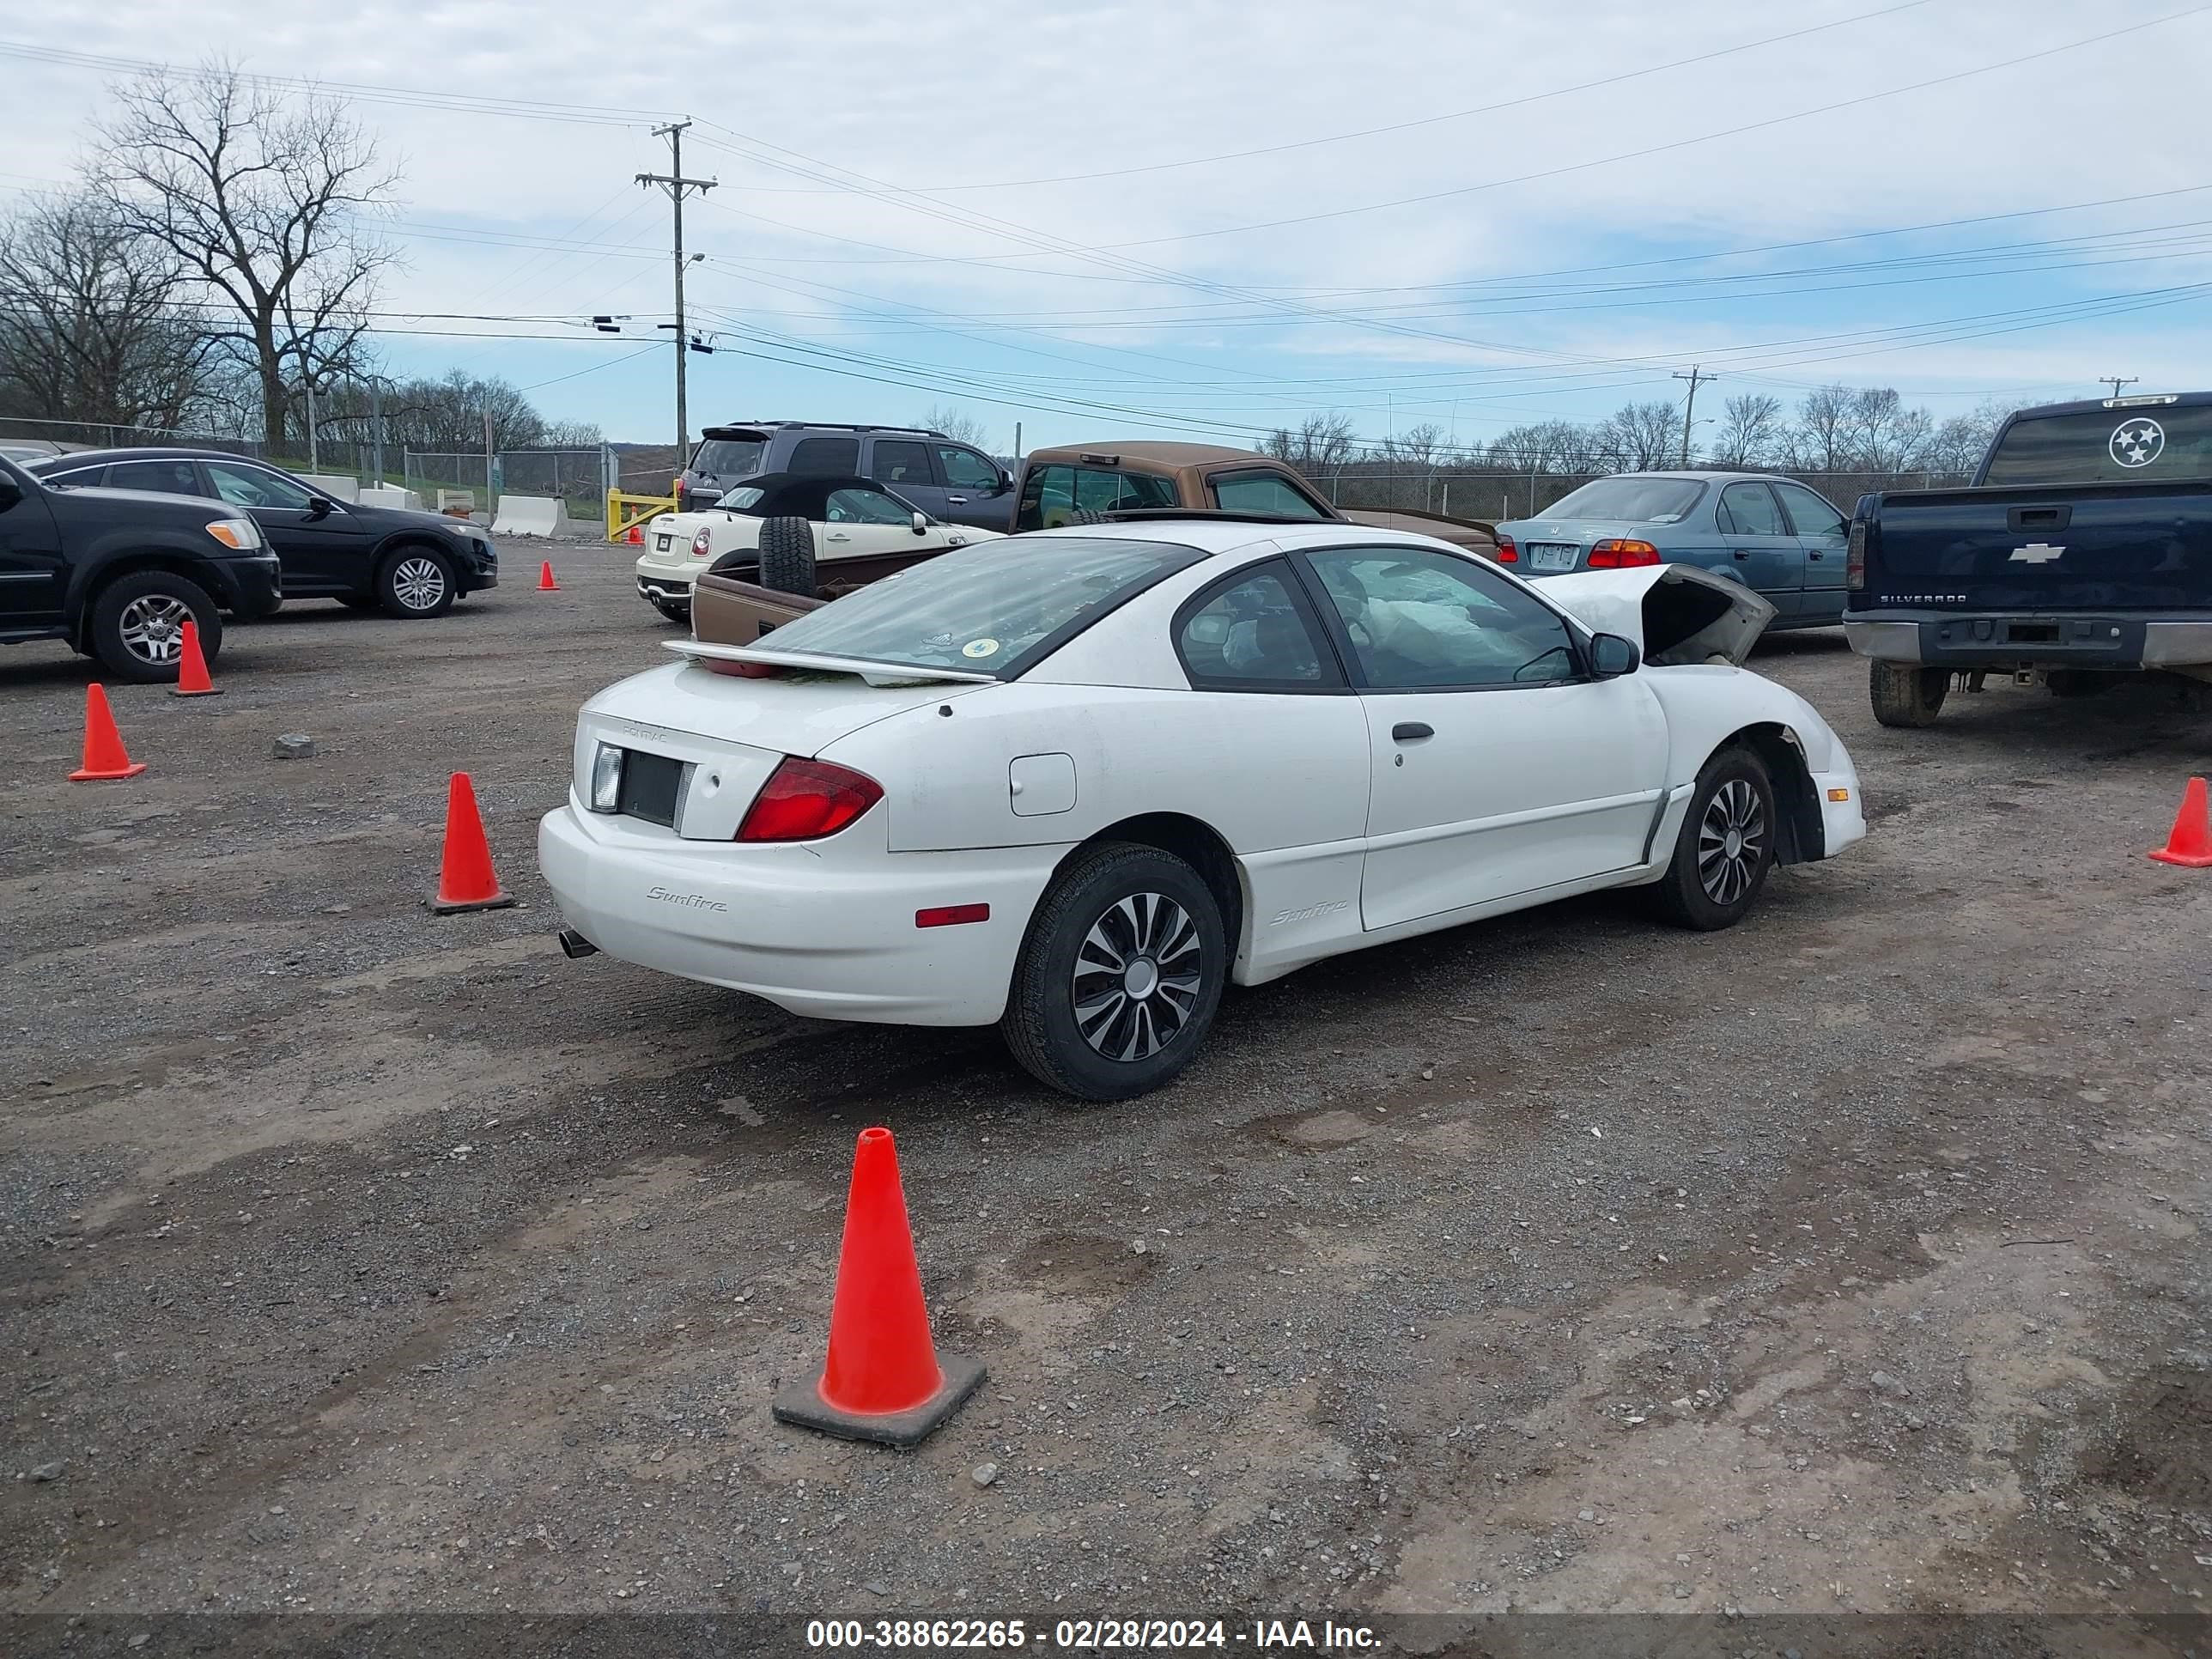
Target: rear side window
column 824, row 457
column 1746, row 509
column 1054, row 495
column 165, row 478
column 1262, row 492
column 728, row 457
column 898, row 461
column 254, row 486
column 2107, row 446
column 1253, row 634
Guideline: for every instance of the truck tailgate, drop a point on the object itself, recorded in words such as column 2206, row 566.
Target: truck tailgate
column 2085, row 546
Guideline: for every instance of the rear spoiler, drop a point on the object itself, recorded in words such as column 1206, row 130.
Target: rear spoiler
column 875, row 673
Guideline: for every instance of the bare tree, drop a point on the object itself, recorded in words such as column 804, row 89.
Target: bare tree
column 1959, row 443
column 1820, row 440
column 1750, row 432
column 261, row 199
column 90, row 327
column 1886, row 436
column 1322, row 443
column 1644, row 436
column 956, row 423
column 1421, row 445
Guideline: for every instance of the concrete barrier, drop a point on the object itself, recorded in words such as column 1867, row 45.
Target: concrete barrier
column 450, row 499
column 336, row 485
column 532, row 515
column 390, row 495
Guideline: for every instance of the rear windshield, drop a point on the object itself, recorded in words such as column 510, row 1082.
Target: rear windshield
column 2107, row 446
column 1631, row 499
column 993, row 608
column 728, row 457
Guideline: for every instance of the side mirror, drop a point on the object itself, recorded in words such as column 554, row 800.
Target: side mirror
column 1611, row 656
column 319, row 506
column 920, row 522
column 1006, row 481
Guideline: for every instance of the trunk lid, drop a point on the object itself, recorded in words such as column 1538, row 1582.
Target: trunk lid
column 1676, row 613
column 708, row 741
column 1555, row 545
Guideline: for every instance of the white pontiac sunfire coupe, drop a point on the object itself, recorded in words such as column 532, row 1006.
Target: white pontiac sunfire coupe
column 1074, row 782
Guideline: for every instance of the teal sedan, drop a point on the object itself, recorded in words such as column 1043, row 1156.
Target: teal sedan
column 1776, row 536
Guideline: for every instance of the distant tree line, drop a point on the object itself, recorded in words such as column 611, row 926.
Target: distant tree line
column 215, row 270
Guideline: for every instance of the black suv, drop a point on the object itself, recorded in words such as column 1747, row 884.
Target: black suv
column 946, row 479
column 116, row 574
column 409, row 563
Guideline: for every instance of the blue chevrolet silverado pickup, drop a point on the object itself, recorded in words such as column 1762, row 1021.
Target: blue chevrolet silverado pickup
column 2081, row 553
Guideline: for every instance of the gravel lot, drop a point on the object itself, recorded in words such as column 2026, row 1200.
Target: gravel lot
column 358, row 1260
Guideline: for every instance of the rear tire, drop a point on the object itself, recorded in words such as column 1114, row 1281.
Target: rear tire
column 1904, row 694
column 1120, row 976
column 136, row 626
column 786, row 557
column 1725, row 847
column 416, row 583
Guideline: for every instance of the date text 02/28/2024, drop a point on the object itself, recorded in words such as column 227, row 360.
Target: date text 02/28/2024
column 1089, row 1635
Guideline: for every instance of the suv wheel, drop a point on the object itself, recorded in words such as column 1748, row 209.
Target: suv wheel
column 1726, row 846
column 137, row 626
column 1120, row 976
column 1904, row 694
column 416, row 582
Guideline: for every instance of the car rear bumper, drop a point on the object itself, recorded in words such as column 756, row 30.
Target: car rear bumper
column 664, row 587
column 1993, row 639
column 826, row 938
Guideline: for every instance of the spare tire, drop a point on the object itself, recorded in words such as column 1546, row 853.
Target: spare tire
column 786, row 557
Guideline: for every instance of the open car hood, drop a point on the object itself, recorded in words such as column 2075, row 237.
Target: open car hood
column 1676, row 613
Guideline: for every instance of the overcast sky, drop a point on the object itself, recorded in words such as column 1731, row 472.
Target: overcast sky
column 1025, row 210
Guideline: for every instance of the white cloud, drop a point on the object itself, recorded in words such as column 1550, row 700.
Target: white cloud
column 972, row 91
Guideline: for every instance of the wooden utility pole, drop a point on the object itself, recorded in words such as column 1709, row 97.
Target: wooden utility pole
column 1690, row 408
column 676, row 184
column 2116, row 381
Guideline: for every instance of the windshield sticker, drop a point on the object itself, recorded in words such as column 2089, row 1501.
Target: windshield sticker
column 980, row 648
column 2138, row 442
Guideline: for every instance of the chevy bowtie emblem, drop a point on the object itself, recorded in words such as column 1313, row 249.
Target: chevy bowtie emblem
column 2035, row 553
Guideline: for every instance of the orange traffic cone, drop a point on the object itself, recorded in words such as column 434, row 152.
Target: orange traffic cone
column 636, row 536
column 465, row 879
column 105, row 756
column 884, row 1380
column 192, row 680
column 2190, row 843
column 545, row 582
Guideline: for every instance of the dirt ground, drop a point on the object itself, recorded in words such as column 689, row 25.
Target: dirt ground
column 358, row 1260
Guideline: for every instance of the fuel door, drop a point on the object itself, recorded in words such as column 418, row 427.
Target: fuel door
column 1040, row 785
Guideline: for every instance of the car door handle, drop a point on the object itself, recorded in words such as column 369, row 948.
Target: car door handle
column 1815, row 553
column 1411, row 730
column 957, row 500
column 837, row 536
column 1742, row 552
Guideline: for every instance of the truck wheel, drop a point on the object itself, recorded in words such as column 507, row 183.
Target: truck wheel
column 136, row 625
column 1904, row 694
column 1725, row 847
column 416, row 582
column 1118, row 981
column 786, row 557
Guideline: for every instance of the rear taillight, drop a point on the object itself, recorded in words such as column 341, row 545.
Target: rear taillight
column 1855, row 557
column 701, row 544
column 1506, row 553
column 807, row 800
column 679, row 492
column 1616, row 553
